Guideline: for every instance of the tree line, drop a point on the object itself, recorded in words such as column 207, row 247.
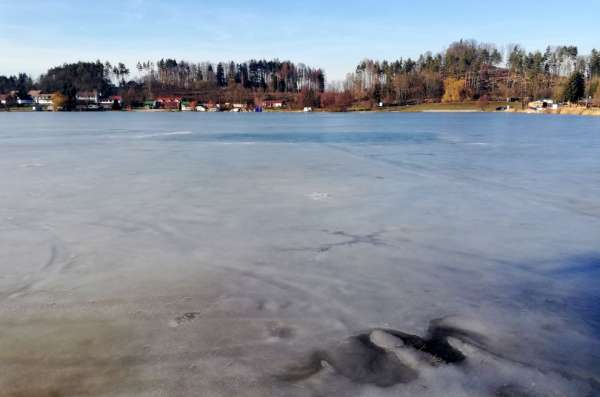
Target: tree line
column 468, row 70
column 272, row 75
column 465, row 70
column 202, row 81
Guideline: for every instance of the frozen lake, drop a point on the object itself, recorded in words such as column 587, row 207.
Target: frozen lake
column 179, row 254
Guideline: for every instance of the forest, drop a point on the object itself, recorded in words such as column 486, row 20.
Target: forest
column 465, row 71
column 468, row 70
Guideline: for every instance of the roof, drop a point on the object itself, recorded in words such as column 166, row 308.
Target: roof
column 34, row 93
column 87, row 93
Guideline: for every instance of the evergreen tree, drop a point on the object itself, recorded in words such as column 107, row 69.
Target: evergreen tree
column 575, row 89
column 221, row 82
column 595, row 63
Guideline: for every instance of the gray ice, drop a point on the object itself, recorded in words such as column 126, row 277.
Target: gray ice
column 155, row 254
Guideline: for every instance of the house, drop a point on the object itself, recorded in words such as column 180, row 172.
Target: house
column 44, row 99
column 39, row 97
column 200, row 108
column 87, row 96
column 5, row 99
column 212, row 107
column 542, row 104
column 273, row 104
column 168, row 102
column 34, row 94
column 108, row 103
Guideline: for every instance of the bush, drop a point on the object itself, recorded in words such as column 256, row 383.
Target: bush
column 59, row 101
column 454, row 90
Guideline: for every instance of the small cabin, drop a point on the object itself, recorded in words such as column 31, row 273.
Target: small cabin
column 273, row 104
column 168, row 102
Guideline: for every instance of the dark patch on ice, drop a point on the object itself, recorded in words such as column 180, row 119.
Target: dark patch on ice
column 352, row 239
column 577, row 293
column 51, row 259
column 437, row 346
column 359, row 360
column 578, row 265
column 349, row 239
column 185, row 318
column 362, row 360
column 272, row 306
column 277, row 330
column 514, row 391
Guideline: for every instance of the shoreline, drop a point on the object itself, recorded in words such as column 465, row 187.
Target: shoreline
column 429, row 108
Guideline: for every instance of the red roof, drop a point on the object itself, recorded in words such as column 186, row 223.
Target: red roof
column 169, row 99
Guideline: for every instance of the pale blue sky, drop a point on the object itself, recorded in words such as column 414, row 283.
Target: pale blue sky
column 335, row 34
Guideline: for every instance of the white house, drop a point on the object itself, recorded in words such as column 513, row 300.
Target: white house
column 34, row 94
column 44, row 99
column 41, row 98
column 87, row 96
column 543, row 104
column 107, row 103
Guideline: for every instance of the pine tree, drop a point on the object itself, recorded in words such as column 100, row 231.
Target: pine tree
column 575, row 89
column 221, row 82
column 595, row 63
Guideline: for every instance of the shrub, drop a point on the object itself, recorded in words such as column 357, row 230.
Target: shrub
column 454, row 90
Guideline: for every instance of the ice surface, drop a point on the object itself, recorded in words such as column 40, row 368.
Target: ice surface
column 153, row 254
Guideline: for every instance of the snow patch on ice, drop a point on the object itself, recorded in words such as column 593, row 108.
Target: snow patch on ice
column 159, row 134
column 319, row 196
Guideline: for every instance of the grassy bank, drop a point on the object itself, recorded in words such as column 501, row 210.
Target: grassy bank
column 452, row 107
column 474, row 106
